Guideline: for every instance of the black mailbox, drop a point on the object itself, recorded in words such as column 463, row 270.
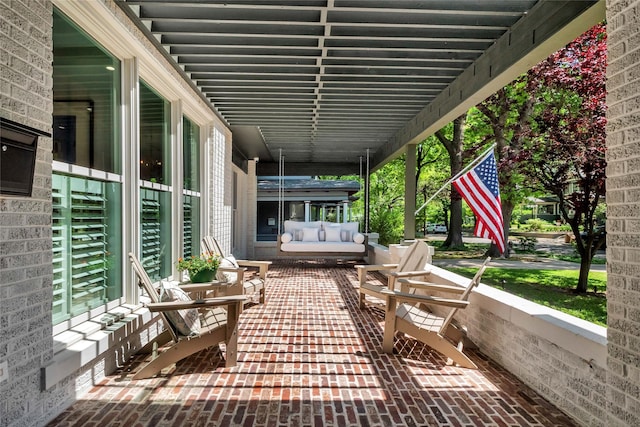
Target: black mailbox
column 18, row 146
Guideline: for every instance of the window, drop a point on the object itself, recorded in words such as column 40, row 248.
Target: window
column 155, row 175
column 155, row 228
column 191, row 156
column 86, row 98
column 155, row 137
column 191, row 225
column 86, row 241
column 87, row 218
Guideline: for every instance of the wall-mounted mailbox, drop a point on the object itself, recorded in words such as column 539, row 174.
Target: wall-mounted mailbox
column 18, row 146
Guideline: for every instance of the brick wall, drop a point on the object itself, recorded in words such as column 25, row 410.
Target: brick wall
column 560, row 357
column 25, row 222
column 220, row 174
column 542, row 349
column 623, row 212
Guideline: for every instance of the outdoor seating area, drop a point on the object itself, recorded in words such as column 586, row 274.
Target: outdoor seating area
column 418, row 307
column 322, row 239
column 311, row 356
column 247, row 277
column 191, row 324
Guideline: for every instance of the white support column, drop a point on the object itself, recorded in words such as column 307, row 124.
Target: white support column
column 252, row 208
column 410, row 193
column 345, row 211
column 307, row 210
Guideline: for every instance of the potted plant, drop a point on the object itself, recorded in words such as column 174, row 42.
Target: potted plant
column 201, row 268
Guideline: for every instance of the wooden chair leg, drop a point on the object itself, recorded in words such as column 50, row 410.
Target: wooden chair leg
column 233, row 312
column 389, row 325
column 362, row 301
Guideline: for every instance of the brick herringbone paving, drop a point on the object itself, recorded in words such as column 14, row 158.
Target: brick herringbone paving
column 310, row 357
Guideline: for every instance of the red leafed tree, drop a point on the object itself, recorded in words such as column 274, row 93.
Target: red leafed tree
column 567, row 136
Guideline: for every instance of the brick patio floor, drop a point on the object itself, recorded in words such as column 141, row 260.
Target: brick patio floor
column 310, row 357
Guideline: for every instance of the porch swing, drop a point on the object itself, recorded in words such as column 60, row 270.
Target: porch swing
column 316, row 239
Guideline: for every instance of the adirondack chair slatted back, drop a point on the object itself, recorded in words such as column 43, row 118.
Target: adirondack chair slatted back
column 209, row 244
column 465, row 295
column 415, row 258
column 144, row 281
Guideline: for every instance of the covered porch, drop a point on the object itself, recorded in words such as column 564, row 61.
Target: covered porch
column 310, row 356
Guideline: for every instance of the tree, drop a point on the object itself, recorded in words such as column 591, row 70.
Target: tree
column 430, row 166
column 387, row 202
column 567, row 147
column 503, row 116
column 454, row 147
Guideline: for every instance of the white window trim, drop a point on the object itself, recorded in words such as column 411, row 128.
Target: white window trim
column 177, row 178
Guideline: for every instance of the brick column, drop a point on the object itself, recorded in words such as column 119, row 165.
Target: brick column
column 26, row 274
column 623, row 213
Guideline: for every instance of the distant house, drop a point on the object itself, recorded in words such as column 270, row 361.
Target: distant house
column 302, row 199
column 547, row 208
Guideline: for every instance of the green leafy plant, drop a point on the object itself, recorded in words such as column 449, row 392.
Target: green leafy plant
column 195, row 264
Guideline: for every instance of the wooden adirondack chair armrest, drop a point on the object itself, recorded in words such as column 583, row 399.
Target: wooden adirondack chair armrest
column 252, row 263
column 401, row 274
column 263, row 266
column 375, row 267
column 238, row 270
column 403, row 297
column 364, row 269
column 428, row 286
column 198, row 303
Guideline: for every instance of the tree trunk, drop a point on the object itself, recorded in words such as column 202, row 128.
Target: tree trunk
column 454, row 238
column 585, row 266
column 585, row 248
column 507, row 212
column 454, row 148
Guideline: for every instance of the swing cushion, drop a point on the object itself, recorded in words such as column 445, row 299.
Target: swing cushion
column 321, row 237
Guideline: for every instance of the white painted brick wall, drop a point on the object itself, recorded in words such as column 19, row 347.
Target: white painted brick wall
column 623, row 212
column 219, row 188
column 562, row 358
column 25, row 222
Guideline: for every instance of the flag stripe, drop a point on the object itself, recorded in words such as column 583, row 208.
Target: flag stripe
column 479, row 188
column 480, row 195
column 477, row 198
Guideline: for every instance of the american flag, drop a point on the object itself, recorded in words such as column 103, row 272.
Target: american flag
column 479, row 188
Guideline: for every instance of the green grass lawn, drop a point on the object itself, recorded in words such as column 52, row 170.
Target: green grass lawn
column 552, row 288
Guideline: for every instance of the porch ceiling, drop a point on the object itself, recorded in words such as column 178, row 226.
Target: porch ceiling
column 325, row 80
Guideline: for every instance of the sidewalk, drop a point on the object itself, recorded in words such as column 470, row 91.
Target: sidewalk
column 533, row 263
column 557, row 246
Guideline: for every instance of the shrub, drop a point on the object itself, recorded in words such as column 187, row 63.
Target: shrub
column 537, row 224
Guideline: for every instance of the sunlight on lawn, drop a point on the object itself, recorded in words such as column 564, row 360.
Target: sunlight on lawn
column 552, row 288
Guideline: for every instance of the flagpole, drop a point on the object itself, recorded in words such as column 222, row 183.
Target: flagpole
column 463, row 171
